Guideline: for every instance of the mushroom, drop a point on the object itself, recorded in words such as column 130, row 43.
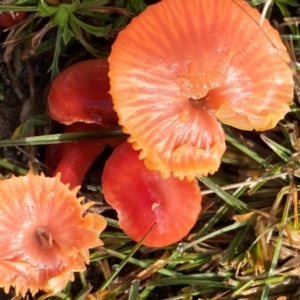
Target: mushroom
column 73, row 160
column 80, row 94
column 44, row 235
column 211, row 60
column 11, row 18
column 144, row 199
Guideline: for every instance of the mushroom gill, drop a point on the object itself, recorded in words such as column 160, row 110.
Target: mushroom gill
column 44, row 235
column 211, row 60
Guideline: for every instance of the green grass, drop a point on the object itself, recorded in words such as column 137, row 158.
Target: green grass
column 245, row 244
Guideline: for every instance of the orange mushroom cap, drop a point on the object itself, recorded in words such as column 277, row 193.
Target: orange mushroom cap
column 80, row 94
column 180, row 64
column 143, row 198
column 44, row 236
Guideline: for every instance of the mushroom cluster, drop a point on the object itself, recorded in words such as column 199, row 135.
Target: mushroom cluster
column 171, row 94
column 171, row 91
column 182, row 66
column 44, row 235
column 52, row 230
column 80, row 94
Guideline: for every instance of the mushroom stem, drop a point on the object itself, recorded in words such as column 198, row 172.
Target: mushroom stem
column 77, row 157
column 198, row 103
column 43, row 237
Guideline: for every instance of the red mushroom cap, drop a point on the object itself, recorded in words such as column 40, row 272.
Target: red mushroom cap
column 180, row 64
column 142, row 197
column 80, row 94
column 44, row 235
column 10, row 18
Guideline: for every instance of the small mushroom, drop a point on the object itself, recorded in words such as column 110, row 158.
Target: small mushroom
column 211, row 60
column 46, row 234
column 80, row 94
column 144, row 199
column 11, row 18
